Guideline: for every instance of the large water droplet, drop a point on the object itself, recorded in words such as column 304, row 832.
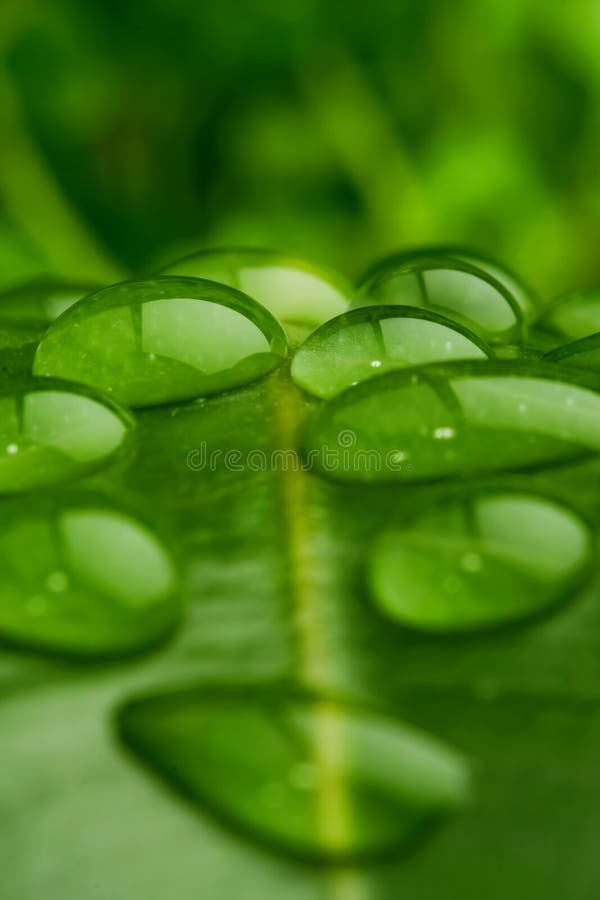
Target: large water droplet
column 292, row 289
column 83, row 579
column 366, row 342
column 52, row 431
column 448, row 284
column 461, row 418
column 161, row 341
column 315, row 778
column 480, row 561
column 570, row 317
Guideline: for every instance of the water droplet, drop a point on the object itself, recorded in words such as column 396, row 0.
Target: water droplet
column 571, row 317
column 292, row 289
column 52, row 431
column 347, row 349
column 349, row 783
column 500, row 557
column 463, row 286
column 162, row 341
column 476, row 404
column 83, row 579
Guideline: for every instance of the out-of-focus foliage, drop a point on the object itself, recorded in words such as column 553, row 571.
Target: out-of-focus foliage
column 337, row 131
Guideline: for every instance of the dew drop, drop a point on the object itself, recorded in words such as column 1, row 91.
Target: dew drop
column 52, row 431
column 478, row 405
column 162, row 341
column 294, row 290
column 346, row 350
column 461, row 285
column 334, row 782
column 83, row 579
column 500, row 557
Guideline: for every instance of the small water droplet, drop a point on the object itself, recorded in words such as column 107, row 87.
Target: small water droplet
column 347, row 349
column 334, row 782
column 53, row 432
column 85, row 580
column 499, row 558
column 162, row 341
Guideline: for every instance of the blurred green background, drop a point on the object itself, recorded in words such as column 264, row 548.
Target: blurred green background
column 133, row 132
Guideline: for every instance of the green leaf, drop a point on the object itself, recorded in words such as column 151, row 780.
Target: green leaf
column 571, row 317
column 274, row 564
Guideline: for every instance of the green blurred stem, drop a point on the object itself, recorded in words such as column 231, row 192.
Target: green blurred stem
column 357, row 128
column 35, row 202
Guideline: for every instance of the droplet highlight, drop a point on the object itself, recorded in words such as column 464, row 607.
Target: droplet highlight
column 85, row 580
column 480, row 562
column 162, row 341
column 314, row 778
column 367, row 342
